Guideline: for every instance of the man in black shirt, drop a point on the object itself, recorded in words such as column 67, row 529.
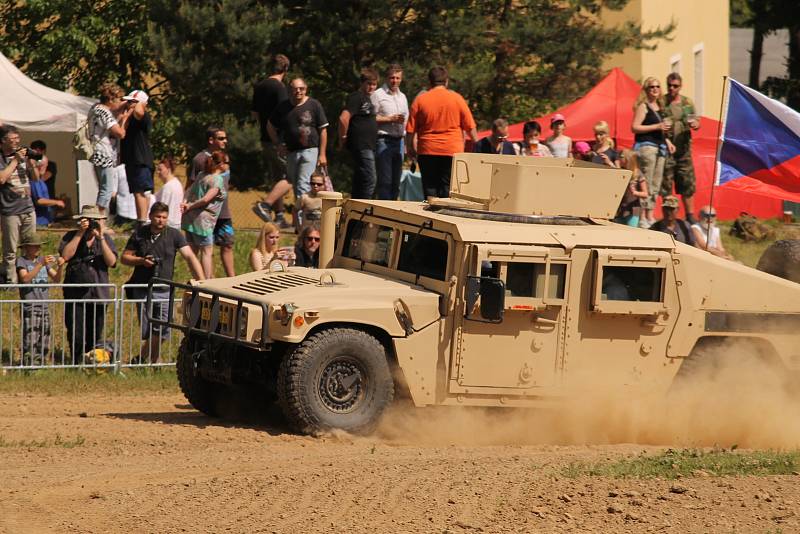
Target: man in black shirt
column 267, row 94
column 358, row 131
column 136, row 153
column 300, row 123
column 671, row 225
column 151, row 251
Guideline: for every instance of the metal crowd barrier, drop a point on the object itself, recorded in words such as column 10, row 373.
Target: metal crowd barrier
column 99, row 334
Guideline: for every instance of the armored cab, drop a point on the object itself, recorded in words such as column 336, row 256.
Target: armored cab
column 511, row 292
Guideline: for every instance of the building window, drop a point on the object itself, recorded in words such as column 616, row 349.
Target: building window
column 675, row 63
column 698, row 79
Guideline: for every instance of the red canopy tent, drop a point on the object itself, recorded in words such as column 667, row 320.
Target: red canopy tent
column 612, row 100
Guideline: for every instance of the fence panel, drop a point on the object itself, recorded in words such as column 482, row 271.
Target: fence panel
column 152, row 346
column 84, row 333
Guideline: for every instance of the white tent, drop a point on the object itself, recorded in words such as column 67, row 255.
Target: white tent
column 53, row 116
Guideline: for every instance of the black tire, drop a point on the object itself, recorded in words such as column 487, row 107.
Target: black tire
column 200, row 393
column 335, row 379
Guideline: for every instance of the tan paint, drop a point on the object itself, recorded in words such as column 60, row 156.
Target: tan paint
column 586, row 300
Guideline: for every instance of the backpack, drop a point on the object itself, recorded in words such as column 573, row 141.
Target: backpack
column 82, row 141
column 748, row 228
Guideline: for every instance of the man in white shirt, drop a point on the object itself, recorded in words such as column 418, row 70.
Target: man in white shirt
column 391, row 106
column 706, row 234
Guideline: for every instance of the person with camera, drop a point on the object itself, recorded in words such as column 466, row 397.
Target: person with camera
column 17, row 217
column 89, row 252
column 151, row 251
column 136, row 153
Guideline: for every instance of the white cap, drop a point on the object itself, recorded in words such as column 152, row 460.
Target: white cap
column 137, row 95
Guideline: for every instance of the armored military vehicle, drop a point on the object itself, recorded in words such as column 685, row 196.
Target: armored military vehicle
column 513, row 290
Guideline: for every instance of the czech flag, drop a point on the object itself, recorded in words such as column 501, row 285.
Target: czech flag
column 759, row 149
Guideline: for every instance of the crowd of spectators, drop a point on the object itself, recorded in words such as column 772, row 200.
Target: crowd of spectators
column 377, row 128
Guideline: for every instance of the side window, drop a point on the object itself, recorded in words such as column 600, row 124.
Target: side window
column 637, row 284
column 368, row 242
column 423, row 256
column 531, row 280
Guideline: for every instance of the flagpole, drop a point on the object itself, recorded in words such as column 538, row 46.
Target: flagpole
column 723, row 108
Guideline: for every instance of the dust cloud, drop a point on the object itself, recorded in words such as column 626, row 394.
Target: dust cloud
column 741, row 404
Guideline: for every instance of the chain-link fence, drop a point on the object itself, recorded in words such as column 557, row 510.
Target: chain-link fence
column 41, row 330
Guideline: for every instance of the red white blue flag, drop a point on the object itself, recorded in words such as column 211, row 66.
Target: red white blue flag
column 759, row 149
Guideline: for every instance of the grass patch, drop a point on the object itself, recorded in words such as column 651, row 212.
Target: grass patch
column 72, row 381
column 748, row 252
column 673, row 464
column 58, row 441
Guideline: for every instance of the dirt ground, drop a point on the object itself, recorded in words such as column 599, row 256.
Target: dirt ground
column 149, row 463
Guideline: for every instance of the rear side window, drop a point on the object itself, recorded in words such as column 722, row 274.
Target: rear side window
column 368, row 242
column 423, row 256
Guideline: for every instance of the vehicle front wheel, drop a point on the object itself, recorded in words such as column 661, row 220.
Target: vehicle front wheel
column 200, row 393
column 335, row 379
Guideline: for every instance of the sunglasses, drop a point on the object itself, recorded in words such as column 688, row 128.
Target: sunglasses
column 312, row 239
column 654, row 87
column 708, row 215
column 674, row 85
column 501, row 137
column 318, row 184
column 221, row 138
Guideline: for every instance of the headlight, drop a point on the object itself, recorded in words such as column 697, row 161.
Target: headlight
column 287, row 310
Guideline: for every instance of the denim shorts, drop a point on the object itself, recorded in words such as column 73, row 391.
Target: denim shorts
column 140, row 178
column 198, row 240
column 223, row 233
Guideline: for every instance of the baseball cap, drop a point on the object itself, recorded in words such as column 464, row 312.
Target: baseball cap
column 557, row 117
column 670, row 202
column 138, row 95
column 582, row 147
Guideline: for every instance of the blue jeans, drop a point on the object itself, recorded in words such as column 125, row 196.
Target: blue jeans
column 300, row 164
column 364, row 175
column 106, row 180
column 389, row 164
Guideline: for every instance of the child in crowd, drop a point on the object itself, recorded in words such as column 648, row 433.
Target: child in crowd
column 311, row 203
column 171, row 193
column 43, row 204
column 558, row 143
column 603, row 152
column 530, row 145
column 629, row 211
column 34, row 269
column 267, row 249
column 201, row 209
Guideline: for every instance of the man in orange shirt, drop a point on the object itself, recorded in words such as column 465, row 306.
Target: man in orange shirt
column 434, row 132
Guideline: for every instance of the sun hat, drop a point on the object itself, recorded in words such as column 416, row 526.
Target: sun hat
column 582, row 148
column 557, row 117
column 29, row 241
column 670, row 202
column 89, row 212
column 137, row 95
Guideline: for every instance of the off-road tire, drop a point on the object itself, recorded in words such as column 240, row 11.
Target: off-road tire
column 336, row 379
column 200, row 393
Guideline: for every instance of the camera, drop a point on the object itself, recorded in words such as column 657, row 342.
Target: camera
column 33, row 154
column 93, row 224
column 156, row 265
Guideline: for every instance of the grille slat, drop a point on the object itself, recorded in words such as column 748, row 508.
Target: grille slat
column 272, row 283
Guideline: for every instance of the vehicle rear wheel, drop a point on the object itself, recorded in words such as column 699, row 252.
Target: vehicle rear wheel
column 200, row 393
column 335, row 379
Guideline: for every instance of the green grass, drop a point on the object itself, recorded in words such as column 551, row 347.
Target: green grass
column 673, row 464
column 71, row 381
column 748, row 252
column 58, row 441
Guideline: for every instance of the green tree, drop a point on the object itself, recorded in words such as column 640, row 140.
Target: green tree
column 78, row 44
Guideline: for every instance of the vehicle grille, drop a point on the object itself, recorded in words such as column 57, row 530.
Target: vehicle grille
column 275, row 282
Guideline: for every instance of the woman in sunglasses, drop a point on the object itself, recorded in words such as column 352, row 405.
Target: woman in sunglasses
column 651, row 144
column 306, row 250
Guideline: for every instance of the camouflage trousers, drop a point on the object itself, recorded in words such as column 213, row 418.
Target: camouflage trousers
column 679, row 170
column 35, row 333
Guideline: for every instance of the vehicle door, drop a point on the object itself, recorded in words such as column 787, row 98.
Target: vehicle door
column 517, row 345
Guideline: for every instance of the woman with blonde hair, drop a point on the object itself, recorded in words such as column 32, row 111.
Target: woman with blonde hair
column 603, row 148
column 266, row 247
column 651, row 145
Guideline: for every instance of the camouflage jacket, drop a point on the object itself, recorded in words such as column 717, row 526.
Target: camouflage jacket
column 679, row 111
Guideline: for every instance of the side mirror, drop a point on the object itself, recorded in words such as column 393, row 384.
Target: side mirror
column 492, row 294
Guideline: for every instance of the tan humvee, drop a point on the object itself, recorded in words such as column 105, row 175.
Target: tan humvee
column 508, row 293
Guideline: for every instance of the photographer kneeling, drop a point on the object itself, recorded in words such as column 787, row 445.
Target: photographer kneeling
column 88, row 252
column 151, row 252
